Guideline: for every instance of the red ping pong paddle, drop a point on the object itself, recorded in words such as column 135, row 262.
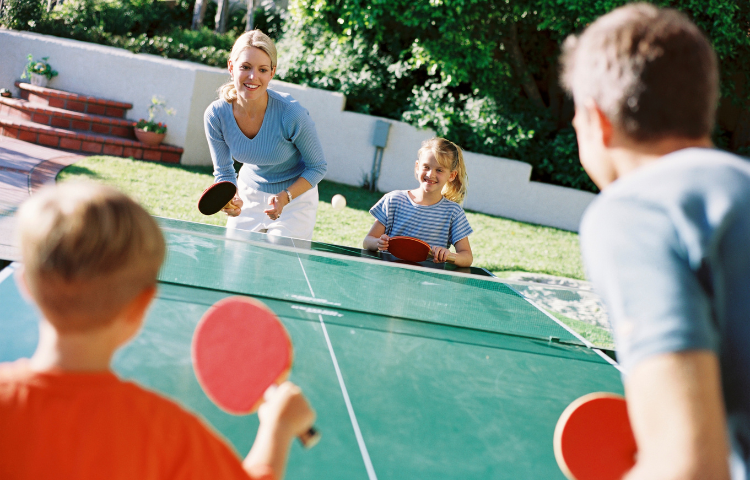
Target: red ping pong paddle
column 412, row 249
column 216, row 197
column 239, row 349
column 580, row 450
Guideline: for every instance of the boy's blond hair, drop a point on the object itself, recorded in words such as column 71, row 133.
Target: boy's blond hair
column 450, row 156
column 253, row 38
column 88, row 250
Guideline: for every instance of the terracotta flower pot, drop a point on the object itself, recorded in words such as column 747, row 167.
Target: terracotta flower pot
column 149, row 138
column 39, row 80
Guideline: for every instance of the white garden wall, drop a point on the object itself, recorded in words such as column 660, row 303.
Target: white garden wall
column 497, row 186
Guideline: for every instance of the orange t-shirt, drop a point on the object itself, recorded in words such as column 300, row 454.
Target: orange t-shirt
column 66, row 425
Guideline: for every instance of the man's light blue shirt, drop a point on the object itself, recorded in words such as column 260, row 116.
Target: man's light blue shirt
column 668, row 248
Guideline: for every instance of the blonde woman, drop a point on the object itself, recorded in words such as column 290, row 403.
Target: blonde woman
column 275, row 140
column 431, row 212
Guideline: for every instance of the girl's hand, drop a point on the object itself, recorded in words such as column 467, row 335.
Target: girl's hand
column 234, row 207
column 277, row 204
column 440, row 254
column 383, row 242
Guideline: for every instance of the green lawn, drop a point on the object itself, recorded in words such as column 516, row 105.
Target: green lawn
column 499, row 245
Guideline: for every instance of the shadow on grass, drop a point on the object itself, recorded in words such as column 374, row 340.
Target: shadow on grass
column 496, row 268
column 207, row 170
column 78, row 170
column 202, row 169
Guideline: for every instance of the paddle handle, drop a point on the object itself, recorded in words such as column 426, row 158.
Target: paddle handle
column 451, row 256
column 310, row 438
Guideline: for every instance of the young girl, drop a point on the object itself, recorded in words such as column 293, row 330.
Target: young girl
column 432, row 212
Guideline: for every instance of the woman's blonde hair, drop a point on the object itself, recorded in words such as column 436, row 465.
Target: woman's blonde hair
column 450, row 156
column 253, row 38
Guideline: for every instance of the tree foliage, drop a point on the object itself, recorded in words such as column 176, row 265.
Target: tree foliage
column 483, row 73
column 480, row 72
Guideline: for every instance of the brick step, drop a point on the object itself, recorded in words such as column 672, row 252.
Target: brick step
column 87, row 143
column 67, row 119
column 73, row 101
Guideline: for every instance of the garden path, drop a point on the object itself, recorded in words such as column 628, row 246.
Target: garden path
column 24, row 168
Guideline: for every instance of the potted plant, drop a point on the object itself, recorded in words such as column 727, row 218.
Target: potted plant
column 149, row 131
column 38, row 72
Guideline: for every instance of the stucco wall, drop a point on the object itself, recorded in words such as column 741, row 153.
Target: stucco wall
column 497, row 186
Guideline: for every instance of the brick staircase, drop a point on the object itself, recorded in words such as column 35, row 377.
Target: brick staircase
column 77, row 123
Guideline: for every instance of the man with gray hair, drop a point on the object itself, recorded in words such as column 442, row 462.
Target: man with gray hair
column 667, row 242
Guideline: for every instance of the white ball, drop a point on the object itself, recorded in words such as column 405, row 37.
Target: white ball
column 338, row 202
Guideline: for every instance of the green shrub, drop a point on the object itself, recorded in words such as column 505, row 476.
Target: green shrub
column 196, row 46
column 97, row 20
column 269, row 19
column 22, row 14
column 321, row 60
column 481, row 72
column 561, row 165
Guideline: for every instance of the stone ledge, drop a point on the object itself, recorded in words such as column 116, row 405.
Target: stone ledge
column 54, row 93
column 66, row 119
column 86, row 143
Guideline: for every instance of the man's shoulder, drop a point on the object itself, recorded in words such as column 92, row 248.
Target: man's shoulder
column 692, row 169
column 692, row 175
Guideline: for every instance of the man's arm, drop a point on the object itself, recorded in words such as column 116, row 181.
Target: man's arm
column 677, row 413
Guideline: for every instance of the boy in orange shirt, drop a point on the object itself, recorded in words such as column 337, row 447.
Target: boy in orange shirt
column 90, row 260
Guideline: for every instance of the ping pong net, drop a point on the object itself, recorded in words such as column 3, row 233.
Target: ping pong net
column 340, row 279
column 8, row 250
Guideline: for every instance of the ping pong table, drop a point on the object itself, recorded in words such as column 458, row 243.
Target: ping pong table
column 414, row 372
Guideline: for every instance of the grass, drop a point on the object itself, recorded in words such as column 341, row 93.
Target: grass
column 593, row 333
column 499, row 245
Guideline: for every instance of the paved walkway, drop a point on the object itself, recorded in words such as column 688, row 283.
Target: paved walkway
column 24, row 168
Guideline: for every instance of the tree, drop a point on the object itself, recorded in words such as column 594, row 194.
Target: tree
column 199, row 12
column 222, row 14
column 482, row 72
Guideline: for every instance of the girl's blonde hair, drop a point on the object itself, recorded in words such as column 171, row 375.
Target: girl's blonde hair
column 450, row 156
column 253, row 38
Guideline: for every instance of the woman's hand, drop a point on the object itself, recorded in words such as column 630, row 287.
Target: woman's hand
column 234, row 207
column 440, row 254
column 276, row 204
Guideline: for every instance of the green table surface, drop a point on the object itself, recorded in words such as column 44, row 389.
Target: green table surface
column 413, row 372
